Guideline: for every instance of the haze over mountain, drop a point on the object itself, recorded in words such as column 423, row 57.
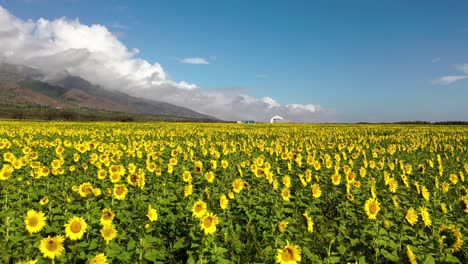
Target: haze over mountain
column 22, row 85
column 95, row 54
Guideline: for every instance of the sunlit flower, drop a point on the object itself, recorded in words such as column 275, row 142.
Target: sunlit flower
column 290, row 254
column 52, row 247
column 199, row 209
column 75, row 228
column 208, row 223
column 34, row 221
column 372, row 208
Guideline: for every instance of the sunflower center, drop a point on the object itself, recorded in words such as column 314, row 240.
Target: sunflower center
column 373, row 208
column 106, row 215
column 133, row 178
column 120, row 190
column 75, row 227
column 207, row 222
column 33, row 221
column 51, row 246
column 198, row 208
column 287, row 254
column 107, row 232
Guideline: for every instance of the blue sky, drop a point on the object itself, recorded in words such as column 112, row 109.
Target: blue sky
column 359, row 60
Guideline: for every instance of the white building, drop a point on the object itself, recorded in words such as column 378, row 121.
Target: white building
column 278, row 119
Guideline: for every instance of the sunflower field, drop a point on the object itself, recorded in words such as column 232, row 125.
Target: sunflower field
column 232, row 193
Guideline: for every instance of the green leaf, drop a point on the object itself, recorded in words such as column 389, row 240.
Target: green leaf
column 151, row 255
column 452, row 259
column 334, row 259
column 131, row 245
column 362, row 260
column 180, row 243
column 390, row 256
column 429, row 260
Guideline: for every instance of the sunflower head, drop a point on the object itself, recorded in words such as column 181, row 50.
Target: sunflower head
column 450, row 238
column 52, row 247
column 223, row 202
column 34, row 221
column 75, row 228
column 107, row 216
column 208, row 223
column 282, row 226
column 290, row 254
column 99, row 259
column 372, row 208
column 108, row 232
column 199, row 209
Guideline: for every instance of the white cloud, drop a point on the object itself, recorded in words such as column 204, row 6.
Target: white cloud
column 463, row 68
column 449, row 79
column 196, row 60
column 446, row 80
column 96, row 54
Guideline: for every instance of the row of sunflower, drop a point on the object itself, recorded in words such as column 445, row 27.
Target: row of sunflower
column 229, row 193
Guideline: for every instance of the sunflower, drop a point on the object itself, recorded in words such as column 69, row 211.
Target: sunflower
column 108, row 232
column 187, row 176
column 393, row 185
column 132, row 179
column 199, row 209
column 310, row 223
column 224, row 164
column 336, row 179
column 286, row 194
column 223, row 202
column 316, row 191
column 372, row 208
column 208, row 223
column 44, row 200
column 282, row 226
column 454, row 178
column 443, row 207
column 425, row 193
column 451, row 239
column 85, row 189
column 198, row 168
column 75, row 228
column 287, row 181
column 107, row 216
column 290, row 254
column 152, row 213
column 411, row 216
column 98, row 259
column 52, row 247
column 238, row 185
column 411, row 257
column 210, row 176
column 34, row 221
column 120, row 191
column 188, row 190
column 426, row 217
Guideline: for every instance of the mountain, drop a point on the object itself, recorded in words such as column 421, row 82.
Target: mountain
column 22, row 86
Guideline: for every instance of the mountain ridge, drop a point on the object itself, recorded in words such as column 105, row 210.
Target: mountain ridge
column 23, row 85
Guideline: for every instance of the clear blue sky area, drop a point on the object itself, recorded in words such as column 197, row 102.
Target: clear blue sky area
column 385, row 60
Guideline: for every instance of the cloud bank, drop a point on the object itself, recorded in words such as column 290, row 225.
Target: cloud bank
column 96, row 54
